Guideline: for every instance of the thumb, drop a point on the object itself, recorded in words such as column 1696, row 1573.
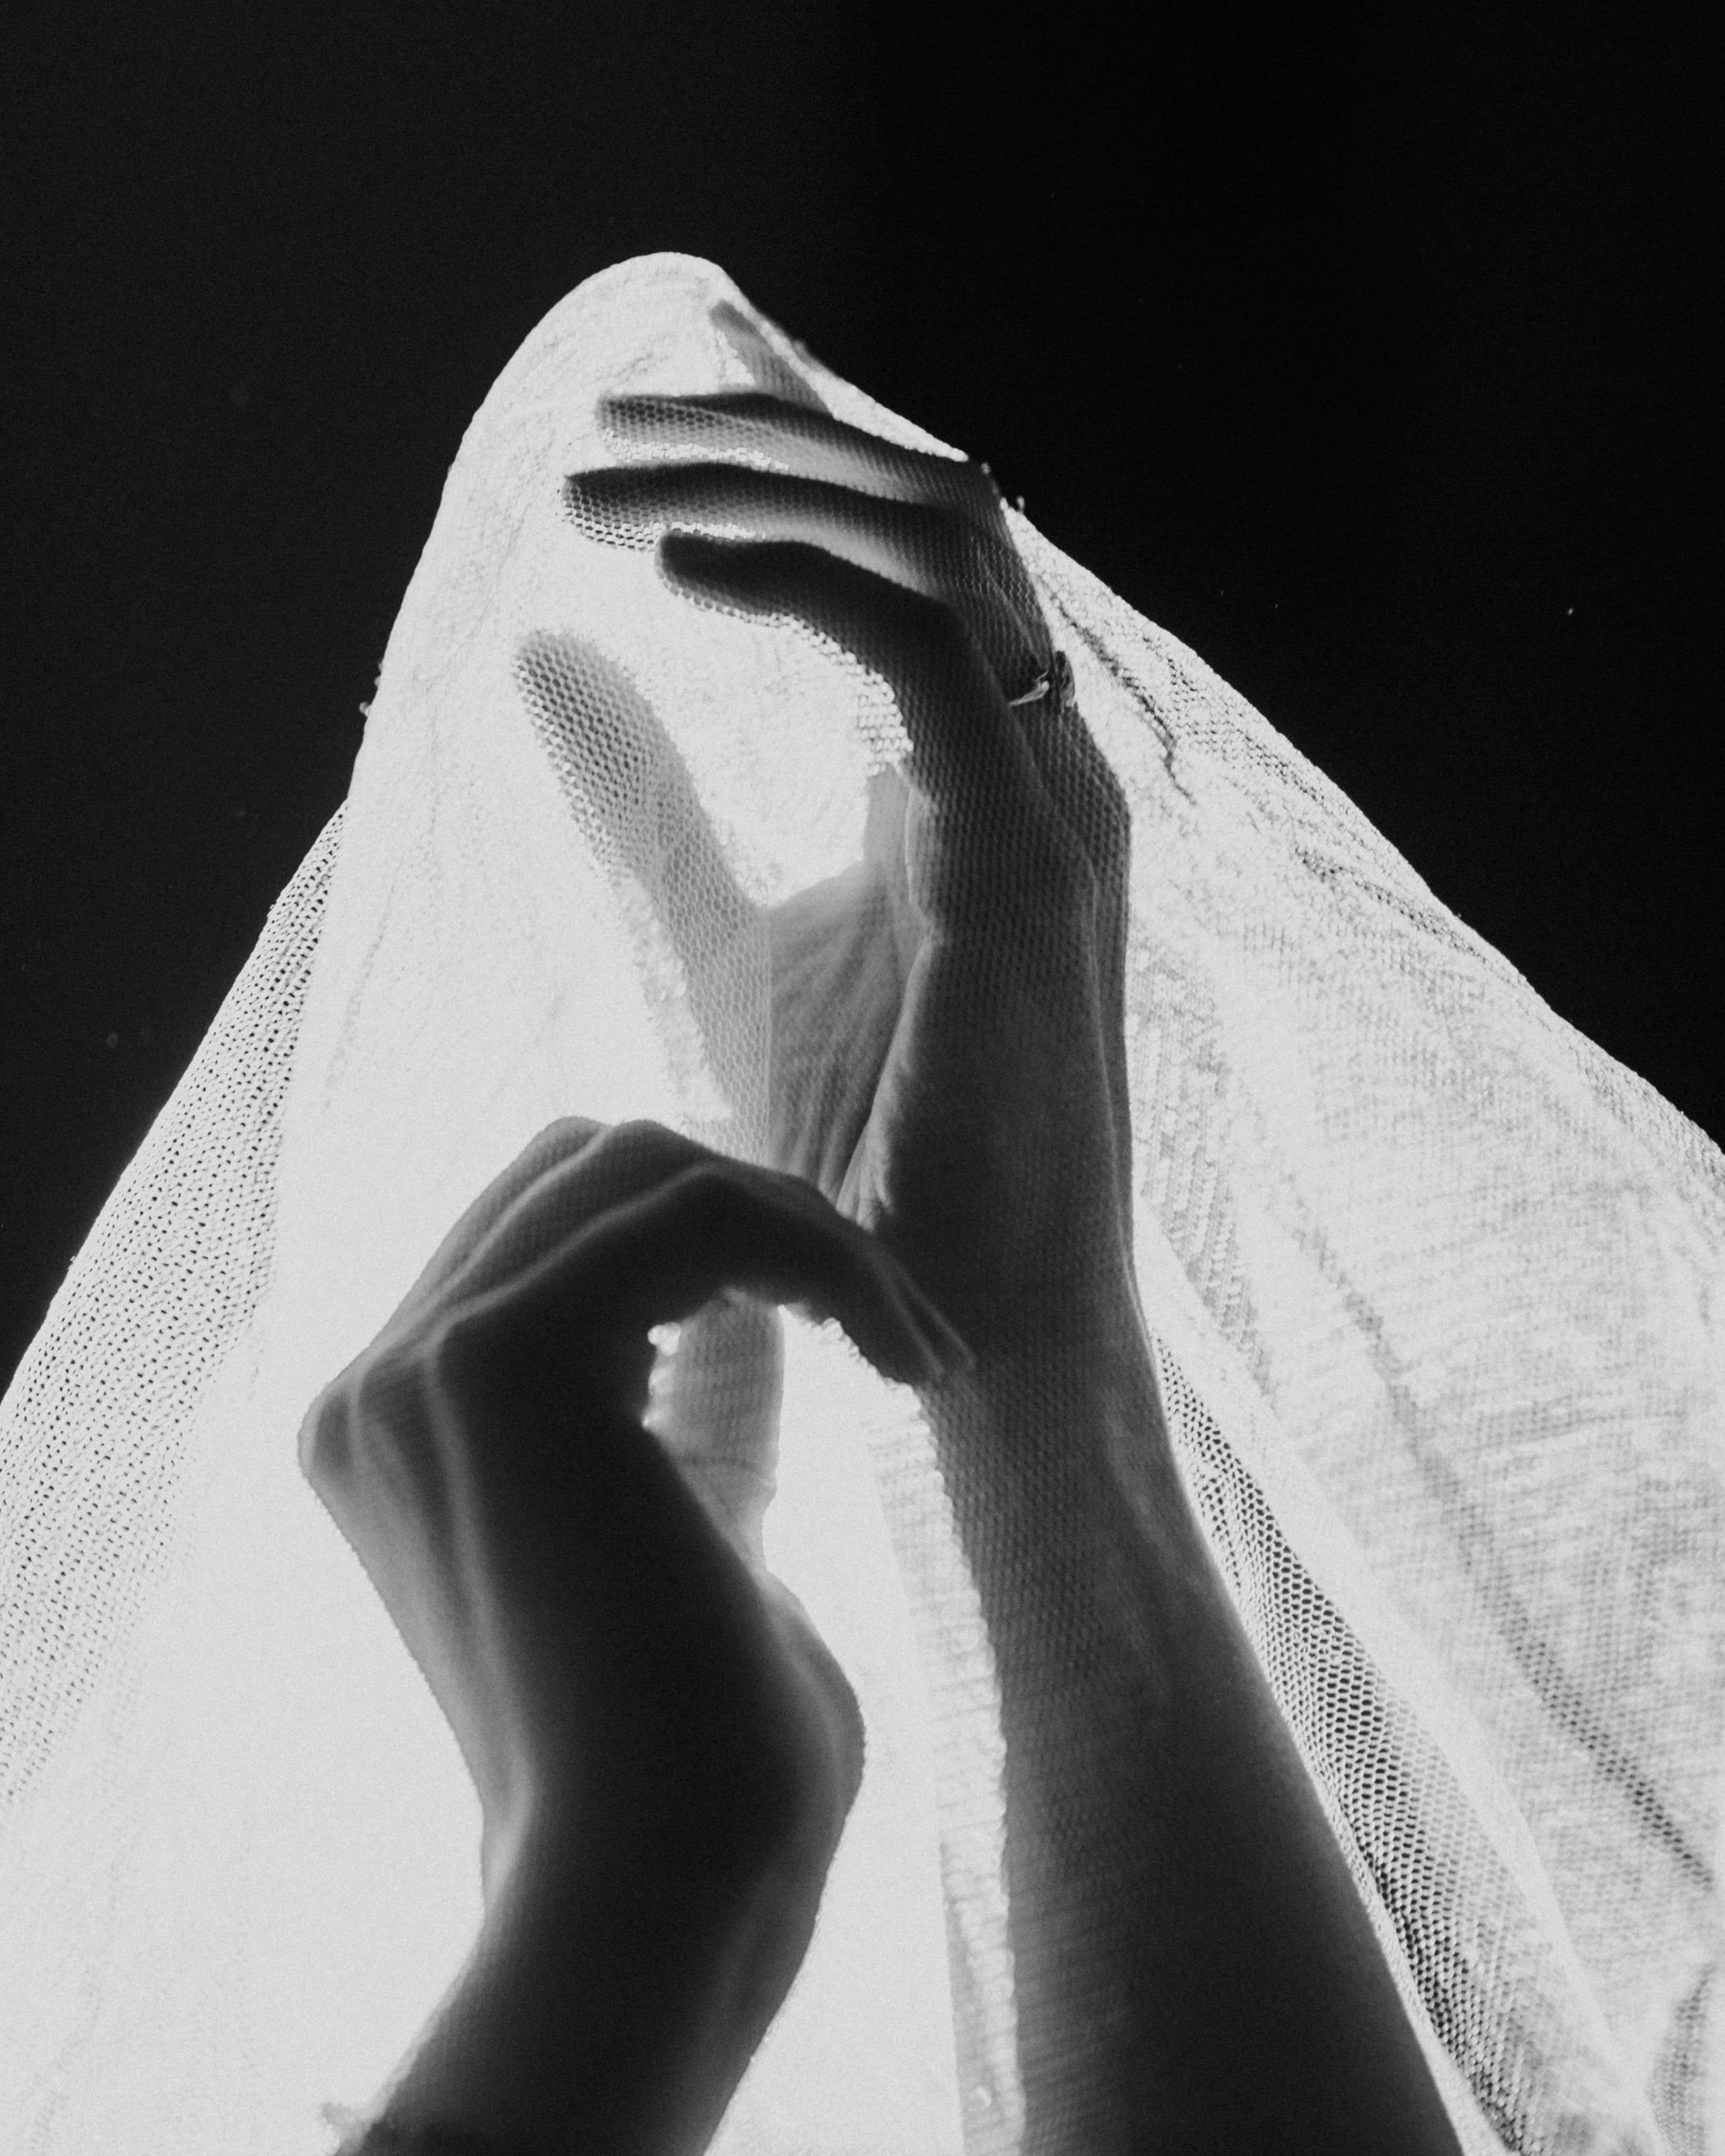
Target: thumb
column 717, row 1412
column 635, row 798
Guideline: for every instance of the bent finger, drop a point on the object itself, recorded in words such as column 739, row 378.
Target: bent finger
column 571, row 1188
column 768, row 371
column 564, row 1139
column 660, row 1256
column 558, row 1141
column 931, row 550
column 634, row 797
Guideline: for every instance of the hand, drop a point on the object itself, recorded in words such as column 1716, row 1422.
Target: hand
column 948, row 1057
column 603, row 1644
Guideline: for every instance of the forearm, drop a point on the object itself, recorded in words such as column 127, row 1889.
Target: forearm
column 606, row 2007
column 1179, row 1906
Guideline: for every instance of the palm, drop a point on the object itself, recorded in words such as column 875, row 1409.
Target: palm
column 841, row 955
column 935, row 1088
column 946, row 1063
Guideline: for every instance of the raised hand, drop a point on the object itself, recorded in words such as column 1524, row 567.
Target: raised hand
column 948, row 1060
column 1192, row 1964
column 663, row 1749
column 598, row 1634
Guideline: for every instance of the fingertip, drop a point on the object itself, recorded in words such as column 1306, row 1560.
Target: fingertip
column 889, row 1340
column 941, row 1339
column 923, row 1368
column 963, row 1358
column 697, row 553
column 930, row 1360
column 706, row 570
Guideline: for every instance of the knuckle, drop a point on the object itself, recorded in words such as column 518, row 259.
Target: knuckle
column 345, row 1417
column 1116, row 825
column 1070, row 879
column 1104, row 813
column 569, row 1133
column 1051, row 867
column 628, row 1159
column 724, row 1206
column 560, row 1141
column 1115, row 805
column 713, row 1191
column 318, row 1444
column 640, row 1138
column 942, row 642
column 952, row 549
column 380, row 1386
column 953, row 535
column 980, row 484
column 463, row 1347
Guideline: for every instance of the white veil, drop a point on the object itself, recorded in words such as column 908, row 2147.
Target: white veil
column 1433, row 1287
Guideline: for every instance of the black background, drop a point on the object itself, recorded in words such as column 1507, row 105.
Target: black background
column 1369, row 361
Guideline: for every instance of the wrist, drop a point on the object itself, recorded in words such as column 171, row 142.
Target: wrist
column 1063, row 1418
column 613, row 2001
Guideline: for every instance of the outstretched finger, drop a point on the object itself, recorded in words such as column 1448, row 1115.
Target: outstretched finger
column 732, row 425
column 660, row 1256
column 630, row 504
column 769, row 422
column 766, row 369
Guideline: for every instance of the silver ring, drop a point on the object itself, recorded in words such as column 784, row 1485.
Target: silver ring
column 1055, row 677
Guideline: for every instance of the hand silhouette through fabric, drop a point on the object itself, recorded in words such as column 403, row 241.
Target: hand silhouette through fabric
column 602, row 1643
column 947, row 1051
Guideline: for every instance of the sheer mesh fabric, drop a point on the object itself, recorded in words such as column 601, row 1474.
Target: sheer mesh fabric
column 1430, row 1282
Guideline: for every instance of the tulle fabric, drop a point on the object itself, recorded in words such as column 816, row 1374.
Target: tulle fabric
column 1432, row 1284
